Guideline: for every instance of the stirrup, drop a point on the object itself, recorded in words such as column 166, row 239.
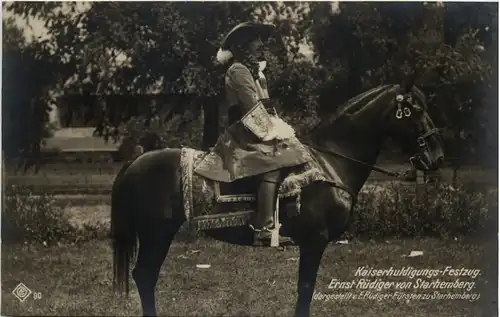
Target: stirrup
column 275, row 234
column 275, row 227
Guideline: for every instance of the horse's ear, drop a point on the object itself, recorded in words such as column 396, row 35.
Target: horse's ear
column 407, row 87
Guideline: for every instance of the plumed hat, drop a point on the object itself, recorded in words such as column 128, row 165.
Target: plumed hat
column 240, row 34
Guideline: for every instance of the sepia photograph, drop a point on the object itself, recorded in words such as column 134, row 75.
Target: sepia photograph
column 240, row 158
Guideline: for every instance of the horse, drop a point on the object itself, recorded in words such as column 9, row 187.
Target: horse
column 147, row 194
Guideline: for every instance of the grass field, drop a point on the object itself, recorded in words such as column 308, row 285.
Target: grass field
column 76, row 280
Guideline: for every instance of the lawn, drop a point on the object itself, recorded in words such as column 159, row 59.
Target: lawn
column 76, row 279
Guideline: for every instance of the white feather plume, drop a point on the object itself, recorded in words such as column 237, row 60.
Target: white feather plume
column 223, row 56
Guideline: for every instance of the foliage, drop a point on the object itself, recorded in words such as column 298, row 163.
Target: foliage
column 297, row 89
column 30, row 218
column 444, row 211
column 182, row 129
column 127, row 48
column 443, row 44
column 27, row 76
column 381, row 211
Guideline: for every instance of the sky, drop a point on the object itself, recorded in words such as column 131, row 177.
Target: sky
column 34, row 28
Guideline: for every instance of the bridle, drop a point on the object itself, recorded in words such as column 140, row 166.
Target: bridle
column 425, row 134
column 402, row 111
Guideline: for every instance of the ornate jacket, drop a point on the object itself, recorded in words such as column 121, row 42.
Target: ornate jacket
column 248, row 101
column 257, row 140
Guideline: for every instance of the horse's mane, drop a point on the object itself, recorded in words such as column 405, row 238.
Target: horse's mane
column 350, row 106
column 357, row 102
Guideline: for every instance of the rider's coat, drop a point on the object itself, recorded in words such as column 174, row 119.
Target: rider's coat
column 257, row 140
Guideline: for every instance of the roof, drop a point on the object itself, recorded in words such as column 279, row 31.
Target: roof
column 78, row 140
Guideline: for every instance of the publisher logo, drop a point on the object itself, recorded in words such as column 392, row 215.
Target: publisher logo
column 21, row 292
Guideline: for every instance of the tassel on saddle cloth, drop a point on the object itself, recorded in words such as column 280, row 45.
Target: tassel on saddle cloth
column 209, row 204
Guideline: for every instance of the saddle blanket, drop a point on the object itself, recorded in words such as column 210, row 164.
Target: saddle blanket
column 210, row 204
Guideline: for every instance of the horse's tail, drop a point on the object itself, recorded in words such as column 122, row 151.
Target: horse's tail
column 123, row 231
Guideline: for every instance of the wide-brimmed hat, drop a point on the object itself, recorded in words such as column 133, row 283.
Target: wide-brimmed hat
column 243, row 33
column 246, row 31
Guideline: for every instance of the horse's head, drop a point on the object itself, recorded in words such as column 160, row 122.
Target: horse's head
column 410, row 125
column 388, row 111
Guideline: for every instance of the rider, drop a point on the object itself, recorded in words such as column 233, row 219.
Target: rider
column 257, row 141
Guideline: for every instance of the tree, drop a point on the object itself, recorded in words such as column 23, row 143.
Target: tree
column 129, row 49
column 385, row 42
column 27, row 75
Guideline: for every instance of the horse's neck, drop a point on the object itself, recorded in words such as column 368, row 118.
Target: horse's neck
column 361, row 144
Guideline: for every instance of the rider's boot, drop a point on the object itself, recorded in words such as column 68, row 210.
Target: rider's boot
column 266, row 204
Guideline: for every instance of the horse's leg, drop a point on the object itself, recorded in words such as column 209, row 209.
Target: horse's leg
column 154, row 243
column 311, row 252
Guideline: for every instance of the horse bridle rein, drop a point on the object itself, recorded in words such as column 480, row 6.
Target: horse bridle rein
column 370, row 166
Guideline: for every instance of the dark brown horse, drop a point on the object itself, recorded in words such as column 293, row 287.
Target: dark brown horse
column 147, row 193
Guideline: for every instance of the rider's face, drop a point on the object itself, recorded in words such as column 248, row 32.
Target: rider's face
column 255, row 45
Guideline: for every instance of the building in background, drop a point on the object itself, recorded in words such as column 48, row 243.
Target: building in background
column 75, row 118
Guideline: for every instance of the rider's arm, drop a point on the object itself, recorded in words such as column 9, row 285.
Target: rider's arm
column 255, row 118
column 241, row 80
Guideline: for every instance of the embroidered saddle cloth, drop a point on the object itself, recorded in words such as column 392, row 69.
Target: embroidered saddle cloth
column 212, row 204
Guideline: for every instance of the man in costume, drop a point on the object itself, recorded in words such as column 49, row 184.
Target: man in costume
column 257, row 142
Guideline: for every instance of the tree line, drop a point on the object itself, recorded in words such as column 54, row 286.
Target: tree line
column 127, row 48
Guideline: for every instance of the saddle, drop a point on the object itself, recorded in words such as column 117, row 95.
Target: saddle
column 209, row 204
